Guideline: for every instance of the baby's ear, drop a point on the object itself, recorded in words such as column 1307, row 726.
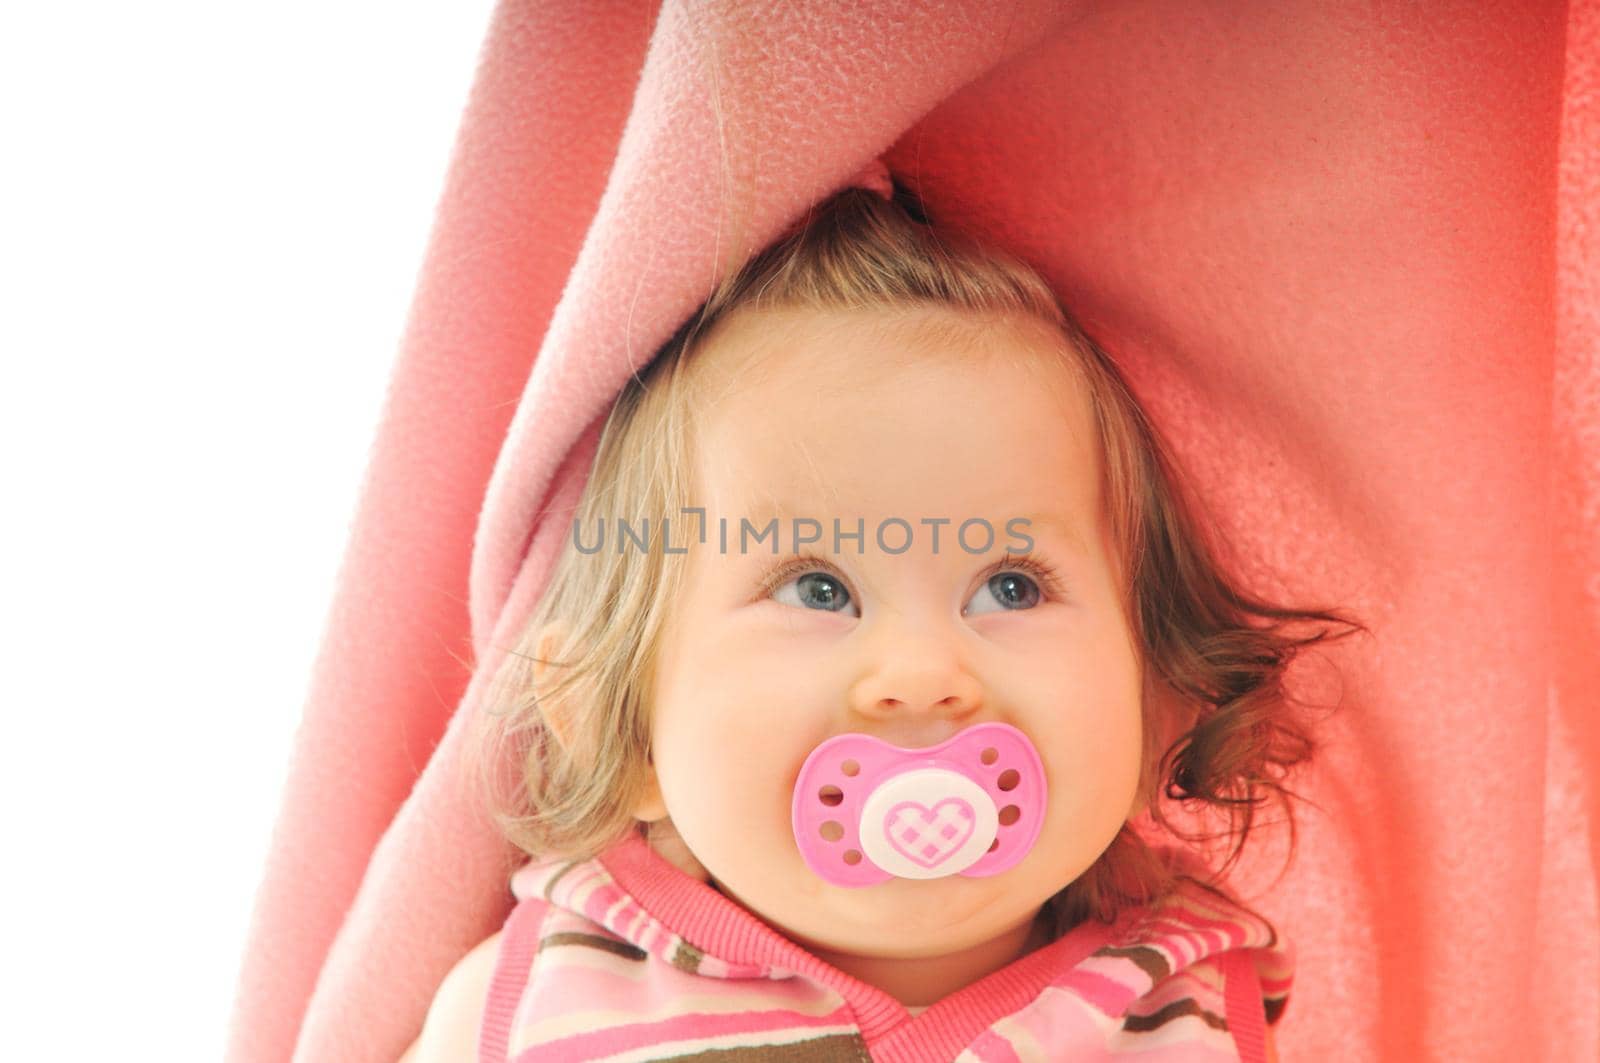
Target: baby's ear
column 558, row 714
column 555, row 711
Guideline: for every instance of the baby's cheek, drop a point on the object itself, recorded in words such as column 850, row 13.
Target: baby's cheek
column 731, row 781
column 1095, row 762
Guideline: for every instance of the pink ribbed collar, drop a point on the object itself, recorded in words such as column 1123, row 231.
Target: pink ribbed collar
column 720, row 927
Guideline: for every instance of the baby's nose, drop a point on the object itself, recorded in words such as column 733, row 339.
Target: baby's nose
column 918, row 693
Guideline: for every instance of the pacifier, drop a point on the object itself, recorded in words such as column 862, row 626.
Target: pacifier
column 866, row 811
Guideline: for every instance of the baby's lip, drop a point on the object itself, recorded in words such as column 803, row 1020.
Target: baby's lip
column 912, row 735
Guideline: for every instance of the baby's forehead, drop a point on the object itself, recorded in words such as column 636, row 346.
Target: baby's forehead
column 966, row 433
column 834, row 349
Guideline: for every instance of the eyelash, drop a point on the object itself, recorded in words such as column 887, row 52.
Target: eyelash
column 1029, row 564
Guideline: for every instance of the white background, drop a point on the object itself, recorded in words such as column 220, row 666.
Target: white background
column 212, row 220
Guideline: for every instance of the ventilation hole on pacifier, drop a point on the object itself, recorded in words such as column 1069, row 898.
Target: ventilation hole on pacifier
column 1009, row 779
column 994, row 845
column 989, row 756
column 850, row 768
column 831, row 831
column 830, row 795
column 852, row 857
column 1009, row 815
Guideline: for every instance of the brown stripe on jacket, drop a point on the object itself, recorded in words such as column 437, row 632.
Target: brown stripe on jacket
column 1152, row 962
column 593, row 941
column 1176, row 1010
column 830, row 1048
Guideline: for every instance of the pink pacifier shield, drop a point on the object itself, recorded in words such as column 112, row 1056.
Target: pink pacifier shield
column 866, row 811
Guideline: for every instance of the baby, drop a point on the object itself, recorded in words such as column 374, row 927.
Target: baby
column 843, row 726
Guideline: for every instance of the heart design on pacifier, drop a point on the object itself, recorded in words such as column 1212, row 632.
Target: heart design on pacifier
column 929, row 835
column 865, row 811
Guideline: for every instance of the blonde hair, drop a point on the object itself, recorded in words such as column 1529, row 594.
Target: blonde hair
column 1220, row 650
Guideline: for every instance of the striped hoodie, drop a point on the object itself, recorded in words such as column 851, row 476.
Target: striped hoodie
column 625, row 958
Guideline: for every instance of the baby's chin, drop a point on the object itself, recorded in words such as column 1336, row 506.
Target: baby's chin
column 931, row 900
column 909, row 931
column 901, row 918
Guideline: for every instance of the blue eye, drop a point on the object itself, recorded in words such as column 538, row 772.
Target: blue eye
column 1016, row 586
column 1013, row 590
column 813, row 588
column 1012, row 584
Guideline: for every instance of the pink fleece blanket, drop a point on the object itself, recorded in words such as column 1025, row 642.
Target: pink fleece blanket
column 1349, row 256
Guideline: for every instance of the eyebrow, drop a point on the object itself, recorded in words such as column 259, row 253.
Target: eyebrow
column 1058, row 528
column 1062, row 530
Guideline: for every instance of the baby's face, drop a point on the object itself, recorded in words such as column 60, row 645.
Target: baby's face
column 849, row 416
